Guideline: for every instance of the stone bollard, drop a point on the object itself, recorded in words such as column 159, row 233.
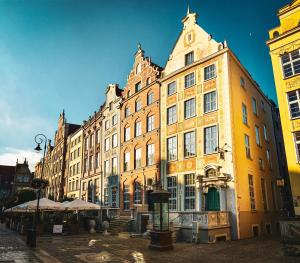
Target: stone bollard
column 105, row 225
column 92, row 224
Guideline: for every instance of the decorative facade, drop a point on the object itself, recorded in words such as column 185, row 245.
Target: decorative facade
column 217, row 142
column 140, row 133
column 284, row 44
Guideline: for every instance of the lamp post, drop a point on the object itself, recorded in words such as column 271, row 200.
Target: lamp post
column 39, row 184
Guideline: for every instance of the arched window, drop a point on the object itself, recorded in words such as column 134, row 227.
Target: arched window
column 150, row 98
column 126, row 160
column 128, row 93
column 137, row 193
column 211, row 173
column 138, row 105
column 138, row 128
column 275, row 34
column 148, row 81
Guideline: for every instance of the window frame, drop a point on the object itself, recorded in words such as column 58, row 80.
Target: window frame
column 204, row 139
column 189, row 83
column 215, row 72
column 174, row 119
column 192, row 110
column 211, row 102
column 290, row 63
column 176, row 144
column 168, row 88
column 192, row 146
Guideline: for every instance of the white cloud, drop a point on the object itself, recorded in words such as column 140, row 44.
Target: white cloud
column 10, row 156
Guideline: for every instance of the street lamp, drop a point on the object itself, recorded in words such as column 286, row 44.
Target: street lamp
column 161, row 238
column 38, row 184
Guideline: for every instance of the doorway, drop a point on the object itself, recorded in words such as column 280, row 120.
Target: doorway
column 213, row 199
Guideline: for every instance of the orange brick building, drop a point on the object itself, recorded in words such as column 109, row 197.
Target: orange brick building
column 140, row 133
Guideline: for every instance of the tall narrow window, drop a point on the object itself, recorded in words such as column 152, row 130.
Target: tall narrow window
column 106, row 144
column 247, row 146
column 189, row 108
column 264, row 194
column 172, row 148
column 138, row 105
column 269, row 158
column 150, row 154
column 291, row 63
column 126, row 134
column 114, row 120
column 189, row 191
column 96, row 160
column 138, row 158
column 138, row 87
column 172, row 188
column 242, row 82
column 106, row 124
column 294, row 103
column 172, row 115
column 210, row 139
column 251, row 192
column 150, row 123
column 106, row 168
column 189, row 144
column 91, row 164
column 150, row 98
column 105, row 196
column 114, row 164
column 126, row 161
column 210, row 102
column 265, row 132
column 257, row 135
column 91, row 140
column 127, row 111
column 254, row 106
column 126, row 197
column 297, row 144
column 114, row 140
column 210, row 72
column 171, row 88
column 137, row 193
column 189, row 80
column 245, row 118
column 189, row 58
column 138, row 128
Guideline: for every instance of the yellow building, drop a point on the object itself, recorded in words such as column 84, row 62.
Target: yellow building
column 217, row 142
column 74, row 164
column 284, row 44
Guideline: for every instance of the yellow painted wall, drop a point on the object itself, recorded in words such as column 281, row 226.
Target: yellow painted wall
column 287, row 40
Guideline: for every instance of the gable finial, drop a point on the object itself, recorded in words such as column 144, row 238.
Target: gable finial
column 139, row 46
column 188, row 10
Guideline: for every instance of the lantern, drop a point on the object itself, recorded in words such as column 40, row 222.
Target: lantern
column 160, row 235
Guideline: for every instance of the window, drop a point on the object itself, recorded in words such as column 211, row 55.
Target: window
column 251, row 192
column 138, row 105
column 78, row 151
column 138, row 87
column 114, row 164
column 138, row 128
column 150, row 154
column 172, row 115
column 247, row 146
column 85, row 165
column 297, row 144
column 189, row 108
column 114, row 140
column 262, row 105
column 265, row 132
column 257, row 136
column 106, row 168
column 172, row 148
column 189, row 191
column 242, row 82
column 137, row 193
column 210, row 102
column 91, row 164
column 126, row 161
column 105, row 196
column 291, row 63
column 171, row 88
column 97, row 160
column 172, row 188
column 254, row 106
column 106, row 144
column 78, row 168
column 264, row 194
column 189, row 58
column 110, row 106
column 127, row 134
column 274, row 195
column 210, row 72
column 138, row 158
column 150, row 123
column 294, row 103
column 261, row 164
column 127, row 112
column 189, row 80
column 150, row 98
column 148, row 81
column 126, row 197
column 114, row 120
column 128, row 93
column 106, row 124
column 210, row 139
column 97, row 139
column 91, row 140
column 138, row 68
column 269, row 158
column 244, row 109
column 189, row 144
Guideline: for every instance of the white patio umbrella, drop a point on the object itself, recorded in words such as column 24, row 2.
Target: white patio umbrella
column 81, row 205
column 44, row 204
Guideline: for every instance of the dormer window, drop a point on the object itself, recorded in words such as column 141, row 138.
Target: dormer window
column 189, row 58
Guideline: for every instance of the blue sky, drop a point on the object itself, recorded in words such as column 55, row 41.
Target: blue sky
column 61, row 54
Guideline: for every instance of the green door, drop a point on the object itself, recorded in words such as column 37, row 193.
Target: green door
column 213, row 200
